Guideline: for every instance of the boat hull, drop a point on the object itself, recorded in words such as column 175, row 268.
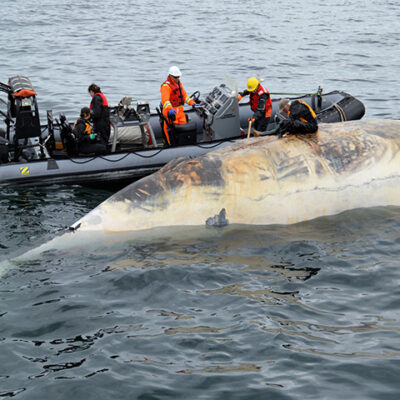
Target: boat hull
column 126, row 166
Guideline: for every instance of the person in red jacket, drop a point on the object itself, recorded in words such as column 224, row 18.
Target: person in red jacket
column 260, row 104
column 100, row 113
column 173, row 98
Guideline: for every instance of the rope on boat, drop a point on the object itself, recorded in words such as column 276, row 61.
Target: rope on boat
column 82, row 162
column 136, row 153
column 341, row 112
column 120, row 159
column 296, row 94
column 140, row 155
column 213, row 146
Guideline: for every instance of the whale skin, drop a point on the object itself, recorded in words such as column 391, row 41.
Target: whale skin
column 264, row 180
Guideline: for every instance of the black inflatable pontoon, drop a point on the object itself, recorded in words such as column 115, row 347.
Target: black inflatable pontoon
column 34, row 154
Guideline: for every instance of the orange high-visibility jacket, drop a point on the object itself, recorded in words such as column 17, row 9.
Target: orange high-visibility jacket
column 173, row 95
column 255, row 97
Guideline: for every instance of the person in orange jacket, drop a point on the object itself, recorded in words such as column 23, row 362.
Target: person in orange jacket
column 260, row 104
column 173, row 98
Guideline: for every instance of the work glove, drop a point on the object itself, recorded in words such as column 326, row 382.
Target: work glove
column 92, row 136
column 172, row 114
column 251, row 120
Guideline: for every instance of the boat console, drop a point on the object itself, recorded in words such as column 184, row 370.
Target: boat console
column 220, row 111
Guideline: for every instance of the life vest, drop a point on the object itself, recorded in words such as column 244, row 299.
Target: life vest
column 255, row 96
column 24, row 93
column 176, row 94
column 312, row 113
column 104, row 102
column 88, row 127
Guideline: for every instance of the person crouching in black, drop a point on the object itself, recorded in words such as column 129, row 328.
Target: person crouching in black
column 85, row 137
column 301, row 118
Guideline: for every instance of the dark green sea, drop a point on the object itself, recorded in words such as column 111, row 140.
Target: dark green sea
column 305, row 311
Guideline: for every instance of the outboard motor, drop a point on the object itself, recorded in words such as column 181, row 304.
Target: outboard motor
column 221, row 114
column 23, row 107
column 3, row 150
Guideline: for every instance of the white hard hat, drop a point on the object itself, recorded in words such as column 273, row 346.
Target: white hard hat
column 175, row 71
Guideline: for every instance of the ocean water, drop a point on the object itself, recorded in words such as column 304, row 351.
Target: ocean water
column 310, row 310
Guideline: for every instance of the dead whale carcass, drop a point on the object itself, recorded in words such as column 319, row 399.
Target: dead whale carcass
column 265, row 180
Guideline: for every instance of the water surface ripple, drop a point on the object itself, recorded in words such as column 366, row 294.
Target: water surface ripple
column 284, row 312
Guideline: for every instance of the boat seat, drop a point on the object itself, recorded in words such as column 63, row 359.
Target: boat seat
column 185, row 134
column 162, row 121
column 59, row 154
column 180, row 135
column 67, row 139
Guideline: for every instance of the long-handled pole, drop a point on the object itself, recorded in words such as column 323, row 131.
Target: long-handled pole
column 248, row 131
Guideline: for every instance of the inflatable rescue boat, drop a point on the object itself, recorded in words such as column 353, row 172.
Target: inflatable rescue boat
column 33, row 154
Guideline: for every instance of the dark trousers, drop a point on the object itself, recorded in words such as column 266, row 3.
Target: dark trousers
column 261, row 124
column 92, row 148
column 103, row 129
column 298, row 126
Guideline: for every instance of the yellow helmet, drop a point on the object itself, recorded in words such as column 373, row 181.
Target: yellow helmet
column 252, row 84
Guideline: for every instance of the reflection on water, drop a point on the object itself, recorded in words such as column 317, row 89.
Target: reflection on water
column 256, row 302
column 385, row 354
column 221, row 369
column 307, row 311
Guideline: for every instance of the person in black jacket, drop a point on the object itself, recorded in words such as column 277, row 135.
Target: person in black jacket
column 100, row 113
column 84, row 135
column 301, row 118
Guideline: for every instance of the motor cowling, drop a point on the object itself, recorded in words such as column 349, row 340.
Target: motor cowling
column 23, row 107
column 3, row 149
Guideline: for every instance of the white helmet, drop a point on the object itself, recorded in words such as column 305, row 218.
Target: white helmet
column 175, row 71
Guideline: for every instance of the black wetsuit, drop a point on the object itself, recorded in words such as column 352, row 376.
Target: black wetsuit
column 85, row 145
column 301, row 119
column 101, row 116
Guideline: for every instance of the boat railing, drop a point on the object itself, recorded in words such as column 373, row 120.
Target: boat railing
column 123, row 112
